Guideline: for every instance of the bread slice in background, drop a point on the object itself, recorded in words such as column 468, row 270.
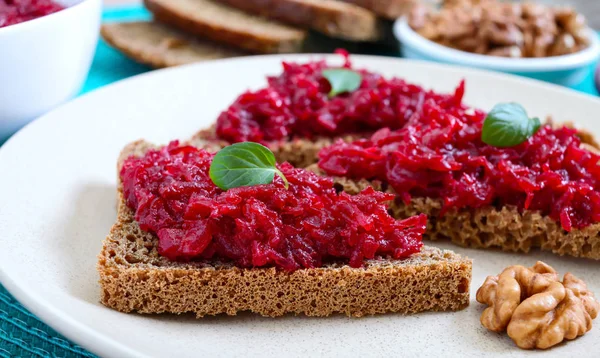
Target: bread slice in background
column 158, row 45
column 331, row 17
column 135, row 278
column 221, row 23
column 389, row 9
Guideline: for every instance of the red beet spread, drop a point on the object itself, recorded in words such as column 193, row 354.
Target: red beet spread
column 438, row 153
column 16, row 11
column 263, row 225
column 296, row 104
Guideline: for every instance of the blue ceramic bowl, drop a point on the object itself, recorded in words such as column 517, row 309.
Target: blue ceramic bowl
column 568, row 70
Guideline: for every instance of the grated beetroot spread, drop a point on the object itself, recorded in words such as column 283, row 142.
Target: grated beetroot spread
column 438, row 153
column 296, row 104
column 17, row 11
column 264, row 225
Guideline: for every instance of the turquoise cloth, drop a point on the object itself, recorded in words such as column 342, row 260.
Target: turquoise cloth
column 110, row 65
column 21, row 333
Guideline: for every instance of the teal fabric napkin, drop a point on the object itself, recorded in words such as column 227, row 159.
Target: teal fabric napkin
column 21, row 333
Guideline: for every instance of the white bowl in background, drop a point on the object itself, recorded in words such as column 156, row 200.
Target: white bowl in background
column 568, row 70
column 44, row 62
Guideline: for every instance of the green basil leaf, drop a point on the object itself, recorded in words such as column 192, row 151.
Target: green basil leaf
column 342, row 80
column 508, row 125
column 244, row 164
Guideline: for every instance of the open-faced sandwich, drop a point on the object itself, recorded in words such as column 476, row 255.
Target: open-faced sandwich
column 497, row 179
column 209, row 234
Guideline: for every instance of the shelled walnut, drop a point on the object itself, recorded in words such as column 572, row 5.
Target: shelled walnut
column 535, row 308
column 496, row 28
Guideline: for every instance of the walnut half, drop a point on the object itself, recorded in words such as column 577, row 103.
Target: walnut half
column 535, row 308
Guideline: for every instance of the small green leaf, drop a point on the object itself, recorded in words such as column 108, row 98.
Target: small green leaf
column 508, row 125
column 244, row 164
column 342, row 80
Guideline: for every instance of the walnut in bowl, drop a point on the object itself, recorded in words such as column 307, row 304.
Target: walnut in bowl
column 490, row 27
column 551, row 44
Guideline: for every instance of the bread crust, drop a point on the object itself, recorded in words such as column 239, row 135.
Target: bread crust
column 134, row 278
column 284, row 39
column 299, row 152
column 159, row 46
column 330, row 17
column 389, row 9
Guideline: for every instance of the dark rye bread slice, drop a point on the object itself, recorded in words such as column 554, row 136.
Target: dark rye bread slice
column 505, row 228
column 330, row 17
column 134, row 278
column 158, row 45
column 221, row 23
column 389, row 9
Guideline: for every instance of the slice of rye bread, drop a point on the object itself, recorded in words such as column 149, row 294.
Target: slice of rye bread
column 389, row 9
column 330, row 17
column 135, row 278
column 221, row 23
column 158, row 45
column 505, row 228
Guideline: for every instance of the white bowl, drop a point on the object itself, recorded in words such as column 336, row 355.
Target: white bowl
column 567, row 70
column 44, row 62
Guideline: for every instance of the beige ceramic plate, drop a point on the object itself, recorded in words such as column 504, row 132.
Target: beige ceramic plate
column 57, row 203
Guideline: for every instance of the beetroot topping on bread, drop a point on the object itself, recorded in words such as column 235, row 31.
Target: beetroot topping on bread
column 439, row 153
column 519, row 185
column 297, row 103
column 303, row 226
